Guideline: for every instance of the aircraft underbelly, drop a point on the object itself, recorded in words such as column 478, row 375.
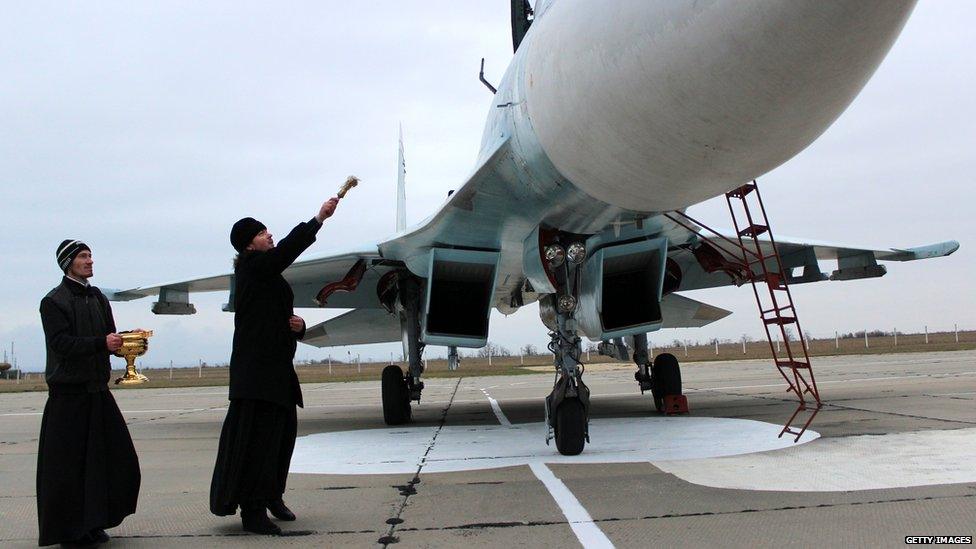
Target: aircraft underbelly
column 678, row 102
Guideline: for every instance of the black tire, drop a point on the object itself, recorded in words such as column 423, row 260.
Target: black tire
column 570, row 428
column 396, row 398
column 666, row 379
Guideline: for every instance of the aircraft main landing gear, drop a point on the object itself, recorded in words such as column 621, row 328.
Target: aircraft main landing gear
column 662, row 378
column 397, row 389
column 396, row 396
column 666, row 388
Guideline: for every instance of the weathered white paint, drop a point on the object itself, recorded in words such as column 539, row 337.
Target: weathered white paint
column 473, row 447
column 680, row 101
column 866, row 462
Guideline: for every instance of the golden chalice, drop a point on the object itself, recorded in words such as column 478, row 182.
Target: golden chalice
column 134, row 343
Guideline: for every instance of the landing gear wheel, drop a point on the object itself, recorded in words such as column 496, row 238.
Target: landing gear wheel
column 665, row 379
column 396, row 397
column 570, row 427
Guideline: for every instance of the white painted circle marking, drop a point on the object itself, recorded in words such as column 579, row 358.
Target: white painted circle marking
column 465, row 448
column 864, row 462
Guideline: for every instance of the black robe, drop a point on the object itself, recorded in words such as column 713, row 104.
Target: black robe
column 258, row 435
column 87, row 469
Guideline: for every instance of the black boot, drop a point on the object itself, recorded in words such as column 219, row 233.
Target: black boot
column 256, row 520
column 280, row 510
column 99, row 535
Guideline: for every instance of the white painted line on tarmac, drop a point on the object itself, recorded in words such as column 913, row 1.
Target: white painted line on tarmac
column 498, row 410
column 588, row 533
column 123, row 411
column 186, row 394
column 331, row 387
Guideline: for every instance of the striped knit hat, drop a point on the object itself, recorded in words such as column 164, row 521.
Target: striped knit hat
column 67, row 252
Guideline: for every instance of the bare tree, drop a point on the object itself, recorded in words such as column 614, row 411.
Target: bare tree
column 529, row 350
column 494, row 350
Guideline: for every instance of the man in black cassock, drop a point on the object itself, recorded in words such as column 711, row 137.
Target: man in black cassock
column 87, row 470
column 258, row 435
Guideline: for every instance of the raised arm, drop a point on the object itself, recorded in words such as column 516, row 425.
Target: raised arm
column 277, row 259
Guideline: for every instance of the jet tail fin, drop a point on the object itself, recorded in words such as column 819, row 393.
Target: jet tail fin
column 401, row 204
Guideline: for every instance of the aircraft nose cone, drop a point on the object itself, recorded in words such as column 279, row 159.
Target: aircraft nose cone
column 657, row 105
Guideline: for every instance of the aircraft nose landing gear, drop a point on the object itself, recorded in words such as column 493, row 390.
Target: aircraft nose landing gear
column 568, row 405
column 570, row 400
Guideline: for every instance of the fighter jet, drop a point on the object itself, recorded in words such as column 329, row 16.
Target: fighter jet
column 613, row 118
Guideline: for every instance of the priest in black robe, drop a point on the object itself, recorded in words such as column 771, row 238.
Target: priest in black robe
column 258, row 435
column 87, row 469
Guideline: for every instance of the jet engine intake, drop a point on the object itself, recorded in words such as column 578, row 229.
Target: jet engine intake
column 458, row 297
column 622, row 289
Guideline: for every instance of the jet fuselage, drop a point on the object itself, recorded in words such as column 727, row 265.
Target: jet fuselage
column 613, row 112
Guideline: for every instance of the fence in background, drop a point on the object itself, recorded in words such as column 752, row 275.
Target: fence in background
column 876, row 342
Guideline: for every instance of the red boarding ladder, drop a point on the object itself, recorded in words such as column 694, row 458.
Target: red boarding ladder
column 763, row 268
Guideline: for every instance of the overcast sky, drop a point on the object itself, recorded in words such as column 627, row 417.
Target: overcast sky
column 146, row 129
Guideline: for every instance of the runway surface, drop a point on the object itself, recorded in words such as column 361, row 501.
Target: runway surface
column 892, row 454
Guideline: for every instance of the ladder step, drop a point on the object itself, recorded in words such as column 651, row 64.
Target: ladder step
column 754, row 230
column 780, row 320
column 776, row 309
column 774, row 280
column 742, row 191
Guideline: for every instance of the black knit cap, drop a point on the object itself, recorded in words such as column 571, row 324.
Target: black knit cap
column 67, row 251
column 244, row 231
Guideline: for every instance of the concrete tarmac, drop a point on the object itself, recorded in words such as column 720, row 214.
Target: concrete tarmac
column 895, row 458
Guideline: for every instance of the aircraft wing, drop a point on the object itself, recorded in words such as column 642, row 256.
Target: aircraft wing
column 357, row 327
column 801, row 259
column 826, row 250
column 306, row 276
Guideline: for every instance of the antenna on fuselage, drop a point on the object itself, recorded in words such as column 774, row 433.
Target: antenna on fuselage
column 481, row 76
column 401, row 200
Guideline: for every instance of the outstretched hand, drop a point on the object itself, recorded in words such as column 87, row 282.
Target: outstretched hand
column 327, row 209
